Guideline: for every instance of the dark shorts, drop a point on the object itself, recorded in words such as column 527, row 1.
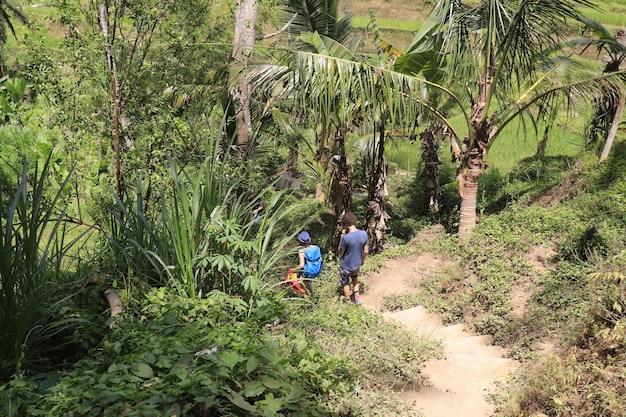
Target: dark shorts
column 346, row 276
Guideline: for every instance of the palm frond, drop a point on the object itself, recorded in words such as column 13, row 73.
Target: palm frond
column 319, row 16
column 324, row 45
column 545, row 95
column 501, row 37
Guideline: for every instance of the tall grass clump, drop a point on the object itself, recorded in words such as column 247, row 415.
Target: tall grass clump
column 34, row 286
column 203, row 236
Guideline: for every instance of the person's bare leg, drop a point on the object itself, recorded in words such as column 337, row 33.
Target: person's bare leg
column 355, row 286
column 346, row 292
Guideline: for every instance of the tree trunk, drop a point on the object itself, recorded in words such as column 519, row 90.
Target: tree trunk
column 543, row 143
column 377, row 215
column 245, row 36
column 322, row 156
column 613, row 130
column 340, row 194
column 467, row 219
column 340, row 189
column 472, row 159
column 115, row 303
column 430, row 159
column 117, row 102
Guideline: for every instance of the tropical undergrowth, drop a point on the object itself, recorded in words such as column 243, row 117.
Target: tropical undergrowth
column 209, row 356
column 207, row 327
column 48, row 319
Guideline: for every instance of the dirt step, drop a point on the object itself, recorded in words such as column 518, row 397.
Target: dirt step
column 459, row 383
column 433, row 402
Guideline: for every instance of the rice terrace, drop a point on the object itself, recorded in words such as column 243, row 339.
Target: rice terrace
column 171, row 171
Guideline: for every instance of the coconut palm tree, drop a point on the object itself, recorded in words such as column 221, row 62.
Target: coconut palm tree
column 609, row 107
column 316, row 20
column 422, row 58
column 502, row 67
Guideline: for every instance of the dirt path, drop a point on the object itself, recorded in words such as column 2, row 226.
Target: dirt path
column 459, row 384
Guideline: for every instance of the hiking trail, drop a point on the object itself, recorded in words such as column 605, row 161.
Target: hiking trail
column 459, row 384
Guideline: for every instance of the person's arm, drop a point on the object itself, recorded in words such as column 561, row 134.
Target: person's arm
column 301, row 264
column 366, row 251
column 258, row 208
column 342, row 247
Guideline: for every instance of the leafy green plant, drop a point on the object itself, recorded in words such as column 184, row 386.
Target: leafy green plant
column 196, row 357
column 608, row 311
column 34, row 245
column 17, row 395
column 11, row 95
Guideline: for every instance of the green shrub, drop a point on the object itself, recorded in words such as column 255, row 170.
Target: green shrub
column 193, row 356
column 563, row 294
column 204, row 236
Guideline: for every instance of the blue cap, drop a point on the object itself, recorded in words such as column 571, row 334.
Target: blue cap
column 303, row 237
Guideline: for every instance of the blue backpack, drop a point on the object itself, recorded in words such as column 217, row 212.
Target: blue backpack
column 312, row 262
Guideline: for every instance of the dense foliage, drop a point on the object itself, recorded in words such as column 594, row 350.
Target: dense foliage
column 212, row 356
column 118, row 175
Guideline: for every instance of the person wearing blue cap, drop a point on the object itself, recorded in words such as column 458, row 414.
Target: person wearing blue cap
column 310, row 257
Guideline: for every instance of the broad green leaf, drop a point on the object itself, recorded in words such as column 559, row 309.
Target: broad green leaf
column 253, row 389
column 164, row 362
column 142, row 370
column 182, row 374
column 296, row 394
column 272, row 404
column 272, row 383
column 230, row 359
column 252, row 364
column 5, row 106
column 239, row 401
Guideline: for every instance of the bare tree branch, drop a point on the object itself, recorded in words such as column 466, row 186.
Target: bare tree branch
column 278, row 32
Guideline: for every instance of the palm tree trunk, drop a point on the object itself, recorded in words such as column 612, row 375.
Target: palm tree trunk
column 377, row 215
column 467, row 219
column 430, row 159
column 613, row 131
column 322, row 155
column 473, row 158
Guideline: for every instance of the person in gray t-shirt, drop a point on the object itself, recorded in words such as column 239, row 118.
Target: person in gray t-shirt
column 353, row 248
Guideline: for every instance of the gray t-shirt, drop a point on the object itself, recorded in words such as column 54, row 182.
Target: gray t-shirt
column 353, row 243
